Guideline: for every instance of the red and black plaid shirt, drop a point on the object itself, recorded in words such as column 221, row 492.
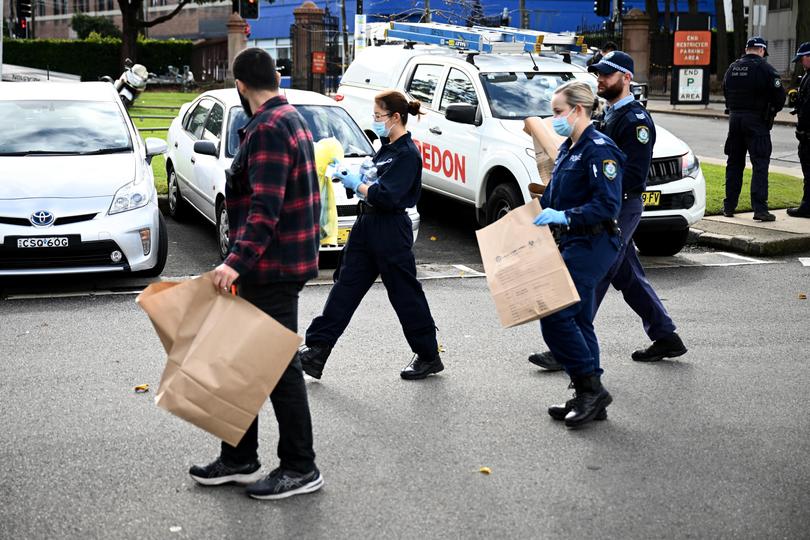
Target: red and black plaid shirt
column 273, row 199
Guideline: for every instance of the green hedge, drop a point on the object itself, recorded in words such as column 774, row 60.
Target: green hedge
column 94, row 57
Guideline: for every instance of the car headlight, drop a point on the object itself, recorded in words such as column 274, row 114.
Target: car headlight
column 129, row 197
column 689, row 165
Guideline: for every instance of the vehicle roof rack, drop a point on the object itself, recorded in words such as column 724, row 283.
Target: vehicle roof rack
column 482, row 39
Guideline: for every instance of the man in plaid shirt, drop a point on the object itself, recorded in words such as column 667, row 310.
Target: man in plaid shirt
column 273, row 206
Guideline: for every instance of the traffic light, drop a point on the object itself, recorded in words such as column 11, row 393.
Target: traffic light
column 601, row 8
column 21, row 28
column 23, row 8
column 249, row 9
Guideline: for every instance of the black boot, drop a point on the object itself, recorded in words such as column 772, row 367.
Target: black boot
column 546, row 361
column 668, row 347
column 590, row 398
column 558, row 412
column 420, row 368
column 313, row 359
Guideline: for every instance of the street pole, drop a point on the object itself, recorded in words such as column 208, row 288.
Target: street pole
column 2, row 19
column 427, row 11
column 522, row 9
column 345, row 38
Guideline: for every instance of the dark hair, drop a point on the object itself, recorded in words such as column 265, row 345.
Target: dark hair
column 394, row 101
column 610, row 46
column 256, row 68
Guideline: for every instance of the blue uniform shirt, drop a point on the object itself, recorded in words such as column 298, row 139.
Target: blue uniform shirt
column 631, row 127
column 587, row 180
column 399, row 173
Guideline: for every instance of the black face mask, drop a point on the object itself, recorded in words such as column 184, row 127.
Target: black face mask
column 245, row 104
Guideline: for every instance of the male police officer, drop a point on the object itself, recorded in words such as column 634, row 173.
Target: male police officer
column 629, row 125
column 754, row 94
column 802, row 109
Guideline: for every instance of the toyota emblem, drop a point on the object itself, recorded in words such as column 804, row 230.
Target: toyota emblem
column 42, row 218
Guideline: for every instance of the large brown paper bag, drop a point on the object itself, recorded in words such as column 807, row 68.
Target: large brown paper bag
column 546, row 145
column 225, row 355
column 526, row 274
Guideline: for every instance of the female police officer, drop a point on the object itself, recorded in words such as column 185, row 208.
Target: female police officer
column 581, row 203
column 381, row 243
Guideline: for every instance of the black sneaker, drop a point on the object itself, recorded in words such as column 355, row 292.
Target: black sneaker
column 217, row 473
column 420, row 369
column 728, row 213
column 764, row 216
column 313, row 359
column 668, row 347
column 546, row 361
column 796, row 212
column 281, row 484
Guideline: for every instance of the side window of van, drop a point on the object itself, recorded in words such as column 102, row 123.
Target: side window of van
column 423, row 83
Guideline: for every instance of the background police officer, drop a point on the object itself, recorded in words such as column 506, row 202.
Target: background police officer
column 630, row 126
column 754, row 94
column 802, row 109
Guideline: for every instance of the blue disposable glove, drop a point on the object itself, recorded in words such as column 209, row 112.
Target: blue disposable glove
column 549, row 215
column 350, row 180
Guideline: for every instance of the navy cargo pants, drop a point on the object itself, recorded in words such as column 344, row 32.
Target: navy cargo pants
column 379, row 245
column 569, row 333
column 627, row 275
column 747, row 132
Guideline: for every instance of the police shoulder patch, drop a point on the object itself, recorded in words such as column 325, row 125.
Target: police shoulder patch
column 640, row 116
column 643, row 134
column 609, row 169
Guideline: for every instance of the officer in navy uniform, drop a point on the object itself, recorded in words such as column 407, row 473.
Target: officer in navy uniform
column 801, row 107
column 754, row 94
column 381, row 244
column 582, row 203
column 628, row 123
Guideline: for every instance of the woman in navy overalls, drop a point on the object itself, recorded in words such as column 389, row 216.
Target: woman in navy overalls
column 581, row 203
column 381, row 244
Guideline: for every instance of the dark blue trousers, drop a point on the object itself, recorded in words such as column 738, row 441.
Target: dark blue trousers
column 627, row 275
column 747, row 133
column 379, row 245
column 569, row 333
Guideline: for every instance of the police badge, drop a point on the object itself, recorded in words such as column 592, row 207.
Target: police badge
column 643, row 134
column 609, row 169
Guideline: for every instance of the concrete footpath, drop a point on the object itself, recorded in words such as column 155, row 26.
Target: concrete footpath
column 744, row 235
column 715, row 109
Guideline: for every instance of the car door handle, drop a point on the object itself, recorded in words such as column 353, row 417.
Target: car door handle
column 436, row 130
column 193, row 160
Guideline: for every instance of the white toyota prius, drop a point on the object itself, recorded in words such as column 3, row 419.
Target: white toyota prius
column 77, row 193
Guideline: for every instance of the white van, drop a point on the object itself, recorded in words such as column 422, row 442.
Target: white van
column 476, row 150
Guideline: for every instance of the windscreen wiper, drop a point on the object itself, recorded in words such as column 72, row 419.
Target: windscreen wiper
column 356, row 154
column 116, row 150
column 39, row 153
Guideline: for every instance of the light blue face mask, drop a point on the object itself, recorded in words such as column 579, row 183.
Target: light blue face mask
column 561, row 125
column 380, row 129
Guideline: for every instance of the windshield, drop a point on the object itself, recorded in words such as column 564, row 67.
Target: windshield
column 323, row 121
column 516, row 95
column 62, row 127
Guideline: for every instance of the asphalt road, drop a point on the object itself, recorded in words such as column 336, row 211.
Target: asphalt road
column 707, row 136
column 712, row 445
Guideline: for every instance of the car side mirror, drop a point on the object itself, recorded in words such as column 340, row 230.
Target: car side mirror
column 462, row 113
column 154, row 147
column 206, row 148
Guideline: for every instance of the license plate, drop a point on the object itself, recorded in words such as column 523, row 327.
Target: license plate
column 43, row 242
column 651, row 198
column 343, row 236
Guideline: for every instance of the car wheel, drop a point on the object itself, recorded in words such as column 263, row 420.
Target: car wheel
column 163, row 250
column 503, row 199
column 178, row 207
column 660, row 243
column 223, row 229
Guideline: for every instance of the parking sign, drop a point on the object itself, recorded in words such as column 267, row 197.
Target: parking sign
column 690, row 85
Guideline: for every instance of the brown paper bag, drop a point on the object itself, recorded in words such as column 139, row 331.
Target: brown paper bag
column 546, row 144
column 225, row 355
column 526, row 274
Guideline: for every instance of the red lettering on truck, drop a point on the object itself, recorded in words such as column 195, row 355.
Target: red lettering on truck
column 434, row 159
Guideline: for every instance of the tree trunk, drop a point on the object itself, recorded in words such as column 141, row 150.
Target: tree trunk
column 693, row 7
column 651, row 7
column 740, row 31
column 802, row 29
column 344, row 58
column 667, row 23
column 722, row 39
column 130, row 26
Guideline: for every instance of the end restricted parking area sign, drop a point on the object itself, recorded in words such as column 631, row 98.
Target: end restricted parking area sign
column 692, row 55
